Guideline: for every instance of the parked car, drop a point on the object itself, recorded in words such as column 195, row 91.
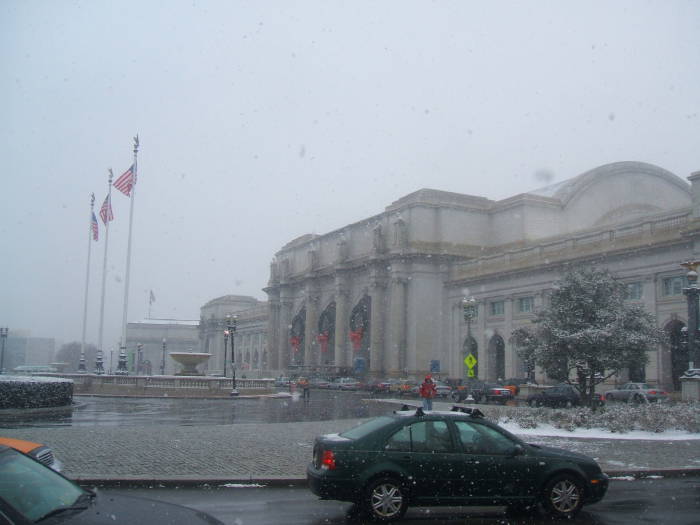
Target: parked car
column 344, row 383
column 30, row 492
column 40, row 452
column 637, row 393
column 513, row 384
column 483, row 392
column 560, row 396
column 443, row 389
column 319, row 382
column 402, row 387
column 378, row 386
column 450, row 458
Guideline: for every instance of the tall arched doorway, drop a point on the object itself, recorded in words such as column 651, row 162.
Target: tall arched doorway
column 470, row 346
column 360, row 335
column 497, row 357
column 297, row 339
column 679, row 353
column 326, row 336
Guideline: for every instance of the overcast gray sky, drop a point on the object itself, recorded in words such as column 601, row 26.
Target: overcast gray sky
column 261, row 121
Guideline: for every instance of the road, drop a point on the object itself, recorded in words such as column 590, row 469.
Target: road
column 655, row 501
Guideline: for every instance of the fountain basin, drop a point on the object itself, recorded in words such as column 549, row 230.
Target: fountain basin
column 189, row 362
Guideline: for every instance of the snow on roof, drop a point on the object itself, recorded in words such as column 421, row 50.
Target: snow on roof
column 186, row 322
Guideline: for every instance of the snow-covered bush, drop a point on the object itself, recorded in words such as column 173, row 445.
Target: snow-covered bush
column 615, row 417
column 35, row 392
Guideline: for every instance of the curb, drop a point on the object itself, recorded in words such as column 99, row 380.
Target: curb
column 281, row 482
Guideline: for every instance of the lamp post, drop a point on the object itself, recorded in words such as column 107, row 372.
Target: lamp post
column 226, row 332
column 692, row 292
column 232, row 331
column 162, row 363
column 3, row 336
column 469, row 312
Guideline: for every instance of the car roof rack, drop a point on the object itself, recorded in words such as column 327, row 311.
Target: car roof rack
column 406, row 407
column 474, row 412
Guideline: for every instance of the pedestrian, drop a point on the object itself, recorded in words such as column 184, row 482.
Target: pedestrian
column 428, row 392
column 305, row 388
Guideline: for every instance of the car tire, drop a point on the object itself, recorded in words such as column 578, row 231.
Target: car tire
column 533, row 403
column 637, row 399
column 568, row 403
column 608, row 397
column 386, row 499
column 563, row 496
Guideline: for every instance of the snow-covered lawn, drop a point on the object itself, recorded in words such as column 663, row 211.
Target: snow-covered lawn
column 661, row 421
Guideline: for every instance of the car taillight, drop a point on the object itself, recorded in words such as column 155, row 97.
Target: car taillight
column 328, row 460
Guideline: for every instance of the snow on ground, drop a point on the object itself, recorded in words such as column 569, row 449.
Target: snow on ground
column 597, row 433
column 547, row 430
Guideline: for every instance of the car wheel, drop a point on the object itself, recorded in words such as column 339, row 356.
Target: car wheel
column 533, row 403
column 608, row 397
column 568, row 404
column 563, row 496
column 637, row 399
column 386, row 499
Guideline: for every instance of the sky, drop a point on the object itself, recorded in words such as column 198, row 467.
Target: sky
column 262, row 121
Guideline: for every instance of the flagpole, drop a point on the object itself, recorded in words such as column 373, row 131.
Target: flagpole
column 128, row 249
column 87, row 284
column 104, row 266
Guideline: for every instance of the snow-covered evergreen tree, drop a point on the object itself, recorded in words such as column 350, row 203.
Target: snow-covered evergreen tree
column 588, row 332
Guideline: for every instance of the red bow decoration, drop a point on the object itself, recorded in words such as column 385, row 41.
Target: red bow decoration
column 356, row 338
column 322, row 339
column 295, row 342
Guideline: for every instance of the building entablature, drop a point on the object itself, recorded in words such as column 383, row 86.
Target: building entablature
column 650, row 233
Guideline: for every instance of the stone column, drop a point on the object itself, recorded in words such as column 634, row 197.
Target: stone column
column 395, row 360
column 342, row 325
column 377, row 327
column 285, row 319
column 311, row 327
column 273, row 330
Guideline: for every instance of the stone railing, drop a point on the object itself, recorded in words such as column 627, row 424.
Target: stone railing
column 165, row 386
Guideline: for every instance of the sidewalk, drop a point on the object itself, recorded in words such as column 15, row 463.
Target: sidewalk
column 277, row 453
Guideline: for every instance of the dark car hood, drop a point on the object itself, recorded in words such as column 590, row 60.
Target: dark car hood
column 116, row 509
column 560, row 453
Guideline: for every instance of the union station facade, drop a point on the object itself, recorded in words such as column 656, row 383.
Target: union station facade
column 383, row 296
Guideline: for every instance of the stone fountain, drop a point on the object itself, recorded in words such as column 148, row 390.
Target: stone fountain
column 189, row 362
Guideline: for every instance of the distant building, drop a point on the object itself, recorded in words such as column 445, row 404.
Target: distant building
column 148, row 343
column 250, row 340
column 382, row 296
column 23, row 349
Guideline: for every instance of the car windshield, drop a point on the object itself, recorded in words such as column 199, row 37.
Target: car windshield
column 33, row 489
column 366, row 428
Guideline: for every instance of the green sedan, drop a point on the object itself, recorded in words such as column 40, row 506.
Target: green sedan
column 457, row 457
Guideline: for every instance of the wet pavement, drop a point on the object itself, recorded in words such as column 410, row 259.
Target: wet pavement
column 90, row 411
column 158, row 440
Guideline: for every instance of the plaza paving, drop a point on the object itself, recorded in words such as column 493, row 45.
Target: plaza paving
column 279, row 452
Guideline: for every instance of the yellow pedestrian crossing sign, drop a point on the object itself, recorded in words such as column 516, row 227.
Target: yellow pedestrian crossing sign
column 470, row 361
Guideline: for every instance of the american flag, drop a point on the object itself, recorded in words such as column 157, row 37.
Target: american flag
column 95, row 227
column 126, row 181
column 106, row 210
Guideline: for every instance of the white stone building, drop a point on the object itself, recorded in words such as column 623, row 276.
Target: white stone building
column 383, row 296
column 250, row 338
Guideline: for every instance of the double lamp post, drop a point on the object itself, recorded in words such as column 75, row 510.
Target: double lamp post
column 231, row 331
